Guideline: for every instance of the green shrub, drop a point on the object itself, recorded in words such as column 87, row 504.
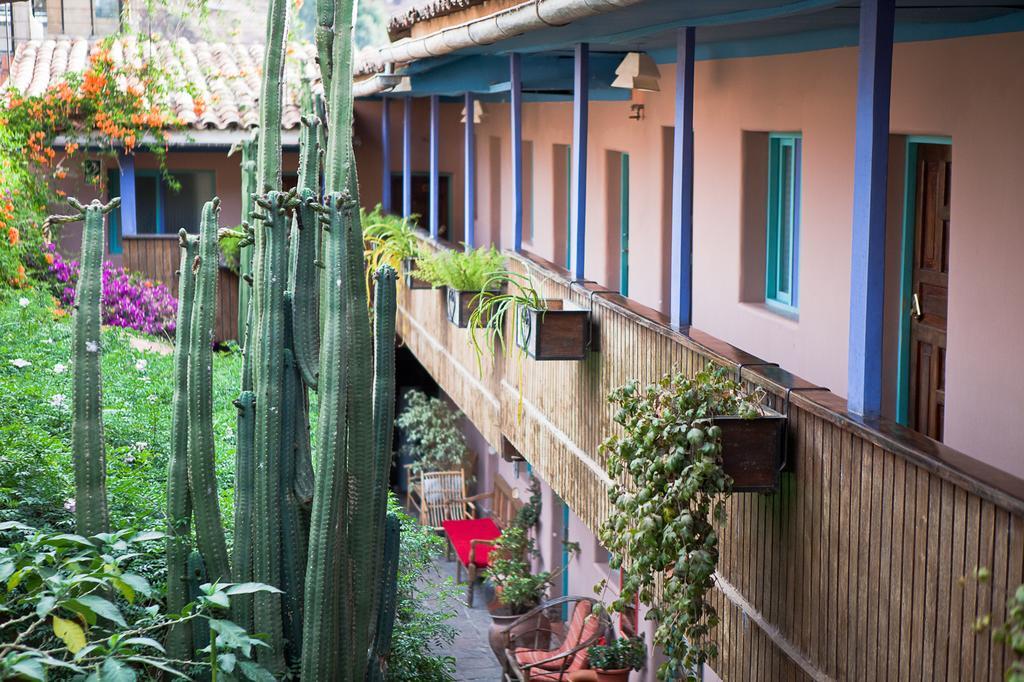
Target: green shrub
column 433, row 438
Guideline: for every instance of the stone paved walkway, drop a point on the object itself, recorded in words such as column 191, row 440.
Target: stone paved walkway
column 474, row 661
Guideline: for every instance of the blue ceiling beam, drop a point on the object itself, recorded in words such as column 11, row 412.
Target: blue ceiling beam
column 870, row 175
column 407, row 157
column 469, row 170
column 578, row 190
column 435, row 182
column 681, row 311
column 385, row 154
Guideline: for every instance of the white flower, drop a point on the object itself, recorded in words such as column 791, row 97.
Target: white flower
column 153, row 398
column 59, row 400
column 129, row 459
column 92, row 347
column 139, row 445
column 69, row 504
column 48, row 342
column 140, row 365
column 20, row 363
column 59, row 368
column 23, row 302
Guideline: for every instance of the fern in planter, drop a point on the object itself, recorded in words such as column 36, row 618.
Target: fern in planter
column 664, row 516
column 469, row 270
column 505, row 292
column 390, row 240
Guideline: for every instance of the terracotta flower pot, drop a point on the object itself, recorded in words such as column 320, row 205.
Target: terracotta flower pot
column 621, row 675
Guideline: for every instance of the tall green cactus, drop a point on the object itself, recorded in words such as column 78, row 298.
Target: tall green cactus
column 248, row 147
column 87, row 445
column 387, row 588
column 202, row 472
column 303, row 274
column 245, row 476
column 179, row 499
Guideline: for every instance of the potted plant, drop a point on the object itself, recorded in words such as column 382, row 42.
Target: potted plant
column 668, row 500
column 464, row 274
column 545, row 328
column 432, row 439
column 391, row 240
column 613, row 662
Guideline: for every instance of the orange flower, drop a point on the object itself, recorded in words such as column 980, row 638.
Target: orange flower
column 71, row 148
column 13, row 236
column 48, row 258
column 129, row 141
column 60, row 173
column 199, row 106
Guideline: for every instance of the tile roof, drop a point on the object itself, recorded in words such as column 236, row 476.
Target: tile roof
column 225, row 75
column 400, row 23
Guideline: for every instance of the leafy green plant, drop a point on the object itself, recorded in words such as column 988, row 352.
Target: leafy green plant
column 230, row 242
column 75, row 605
column 663, row 518
column 623, row 653
column 503, row 293
column 390, row 239
column 1011, row 632
column 469, row 270
column 424, row 607
column 433, row 438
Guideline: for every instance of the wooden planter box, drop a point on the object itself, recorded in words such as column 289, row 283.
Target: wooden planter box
column 460, row 305
column 408, row 265
column 752, row 451
column 561, row 332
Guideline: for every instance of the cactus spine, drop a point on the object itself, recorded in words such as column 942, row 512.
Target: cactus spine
column 179, row 499
column 202, row 474
column 87, row 390
column 245, row 253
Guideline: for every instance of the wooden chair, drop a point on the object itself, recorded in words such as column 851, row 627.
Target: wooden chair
column 541, row 647
column 472, row 539
column 439, row 496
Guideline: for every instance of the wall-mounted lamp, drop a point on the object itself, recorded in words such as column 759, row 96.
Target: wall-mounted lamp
column 637, row 71
column 403, row 85
column 478, row 112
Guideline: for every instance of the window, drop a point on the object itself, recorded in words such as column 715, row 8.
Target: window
column 783, row 238
column 160, row 209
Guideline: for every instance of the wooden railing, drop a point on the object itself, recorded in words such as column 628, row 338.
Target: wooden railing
column 857, row 568
column 158, row 256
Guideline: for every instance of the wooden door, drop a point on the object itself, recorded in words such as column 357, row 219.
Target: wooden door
column 930, row 289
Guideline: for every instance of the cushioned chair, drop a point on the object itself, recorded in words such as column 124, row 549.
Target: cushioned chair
column 543, row 648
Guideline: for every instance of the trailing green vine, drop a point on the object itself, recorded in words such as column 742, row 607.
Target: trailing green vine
column 669, row 496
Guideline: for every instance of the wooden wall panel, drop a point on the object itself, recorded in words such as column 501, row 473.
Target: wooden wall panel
column 854, row 569
column 157, row 257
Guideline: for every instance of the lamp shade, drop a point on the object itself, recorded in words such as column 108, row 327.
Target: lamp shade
column 637, row 71
column 404, row 85
column 478, row 112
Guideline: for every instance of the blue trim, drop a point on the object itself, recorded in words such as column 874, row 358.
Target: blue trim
column 114, row 245
column 385, row 154
column 624, row 224
column 469, row 166
column 907, row 271
column 126, row 179
column 867, row 267
column 783, row 231
column 407, row 158
column 515, row 73
column 580, row 113
column 565, row 558
column 435, row 134
column 681, row 311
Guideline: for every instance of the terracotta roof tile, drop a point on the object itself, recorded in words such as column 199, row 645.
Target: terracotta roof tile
column 225, row 75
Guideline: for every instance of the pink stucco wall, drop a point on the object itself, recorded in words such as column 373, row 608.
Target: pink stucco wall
column 969, row 89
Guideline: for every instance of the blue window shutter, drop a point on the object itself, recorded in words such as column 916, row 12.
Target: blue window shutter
column 783, row 243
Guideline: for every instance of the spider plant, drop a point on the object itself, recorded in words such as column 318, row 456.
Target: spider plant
column 390, row 240
column 502, row 293
column 469, row 270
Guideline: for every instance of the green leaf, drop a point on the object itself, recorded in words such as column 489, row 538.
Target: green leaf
column 157, row 663
column 148, row 535
column 70, row 633
column 226, row 662
column 145, row 641
column 249, row 588
column 138, row 583
column 6, row 569
column 45, row 605
column 255, row 672
column 114, row 670
column 218, row 598
column 103, row 607
column 30, row 668
column 67, row 540
column 14, row 525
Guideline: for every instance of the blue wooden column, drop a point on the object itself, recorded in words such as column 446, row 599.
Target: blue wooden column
column 516, row 110
column 874, row 83
column 435, row 132
column 385, row 154
column 407, row 158
column 469, row 168
column 681, row 312
column 126, row 178
column 578, row 190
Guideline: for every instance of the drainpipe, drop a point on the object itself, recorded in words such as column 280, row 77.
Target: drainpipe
column 493, row 28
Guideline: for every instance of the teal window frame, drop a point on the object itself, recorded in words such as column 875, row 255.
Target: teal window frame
column 624, row 224
column 114, row 243
column 783, row 229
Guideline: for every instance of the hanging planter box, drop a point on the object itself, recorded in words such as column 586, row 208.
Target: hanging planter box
column 559, row 332
column 411, row 281
column 460, row 305
column 753, row 451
